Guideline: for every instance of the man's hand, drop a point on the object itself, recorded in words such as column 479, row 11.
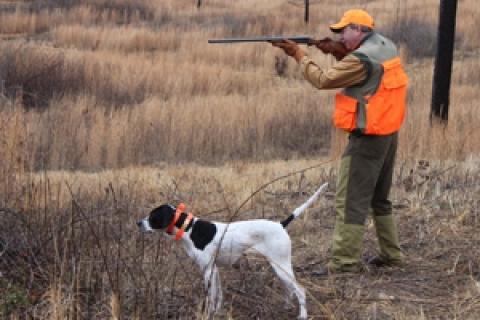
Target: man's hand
column 291, row 48
column 335, row 48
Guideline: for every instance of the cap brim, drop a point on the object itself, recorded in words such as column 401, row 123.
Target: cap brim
column 337, row 27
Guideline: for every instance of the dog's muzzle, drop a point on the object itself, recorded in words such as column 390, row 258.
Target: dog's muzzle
column 144, row 226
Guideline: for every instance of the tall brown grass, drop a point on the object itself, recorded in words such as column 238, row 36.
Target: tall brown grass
column 151, row 89
column 87, row 87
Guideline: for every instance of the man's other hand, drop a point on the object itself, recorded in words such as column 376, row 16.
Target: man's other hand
column 291, row 48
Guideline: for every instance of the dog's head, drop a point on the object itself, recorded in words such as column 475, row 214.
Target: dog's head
column 158, row 219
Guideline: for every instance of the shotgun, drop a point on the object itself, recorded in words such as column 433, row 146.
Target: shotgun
column 326, row 45
column 297, row 39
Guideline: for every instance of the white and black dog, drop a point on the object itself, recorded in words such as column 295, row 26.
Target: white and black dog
column 210, row 243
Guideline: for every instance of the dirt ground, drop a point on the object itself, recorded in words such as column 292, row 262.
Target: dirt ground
column 69, row 261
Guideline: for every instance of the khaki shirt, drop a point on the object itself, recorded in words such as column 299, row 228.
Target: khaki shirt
column 344, row 73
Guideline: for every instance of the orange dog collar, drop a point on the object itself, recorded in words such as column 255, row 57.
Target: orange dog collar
column 181, row 231
column 178, row 212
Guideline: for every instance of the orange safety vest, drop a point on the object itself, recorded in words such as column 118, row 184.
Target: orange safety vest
column 384, row 111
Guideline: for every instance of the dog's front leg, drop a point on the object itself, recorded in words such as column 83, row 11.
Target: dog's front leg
column 211, row 279
column 214, row 288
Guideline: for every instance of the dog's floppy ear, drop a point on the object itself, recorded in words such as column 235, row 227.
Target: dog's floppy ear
column 161, row 217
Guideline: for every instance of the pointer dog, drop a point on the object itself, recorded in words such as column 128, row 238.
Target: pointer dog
column 211, row 243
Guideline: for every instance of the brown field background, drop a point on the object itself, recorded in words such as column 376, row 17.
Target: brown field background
column 110, row 107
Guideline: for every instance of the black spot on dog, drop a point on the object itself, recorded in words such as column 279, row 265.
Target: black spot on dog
column 202, row 233
column 161, row 217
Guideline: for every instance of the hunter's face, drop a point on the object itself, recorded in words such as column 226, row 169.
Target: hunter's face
column 351, row 37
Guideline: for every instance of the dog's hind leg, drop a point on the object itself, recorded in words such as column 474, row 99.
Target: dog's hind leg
column 279, row 255
column 285, row 272
column 278, row 252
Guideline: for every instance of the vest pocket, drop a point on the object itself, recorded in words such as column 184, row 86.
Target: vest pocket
column 394, row 77
column 344, row 116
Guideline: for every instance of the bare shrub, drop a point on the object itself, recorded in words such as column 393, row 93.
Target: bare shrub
column 281, row 65
column 119, row 38
column 35, row 72
column 41, row 73
column 20, row 23
column 237, row 25
column 419, row 37
column 127, row 9
column 124, row 10
column 39, row 5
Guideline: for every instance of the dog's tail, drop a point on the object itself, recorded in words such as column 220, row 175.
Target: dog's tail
column 298, row 211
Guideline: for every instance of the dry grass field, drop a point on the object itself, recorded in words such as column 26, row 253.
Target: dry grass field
column 111, row 107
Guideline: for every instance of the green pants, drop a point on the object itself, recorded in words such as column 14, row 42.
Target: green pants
column 363, row 186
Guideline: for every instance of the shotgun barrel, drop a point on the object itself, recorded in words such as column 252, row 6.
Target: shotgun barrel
column 297, row 39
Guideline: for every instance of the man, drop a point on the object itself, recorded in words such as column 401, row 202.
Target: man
column 371, row 107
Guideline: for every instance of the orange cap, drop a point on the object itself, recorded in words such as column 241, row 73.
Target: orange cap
column 355, row 16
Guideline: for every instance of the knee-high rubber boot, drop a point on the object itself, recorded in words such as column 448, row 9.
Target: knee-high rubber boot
column 347, row 247
column 388, row 239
